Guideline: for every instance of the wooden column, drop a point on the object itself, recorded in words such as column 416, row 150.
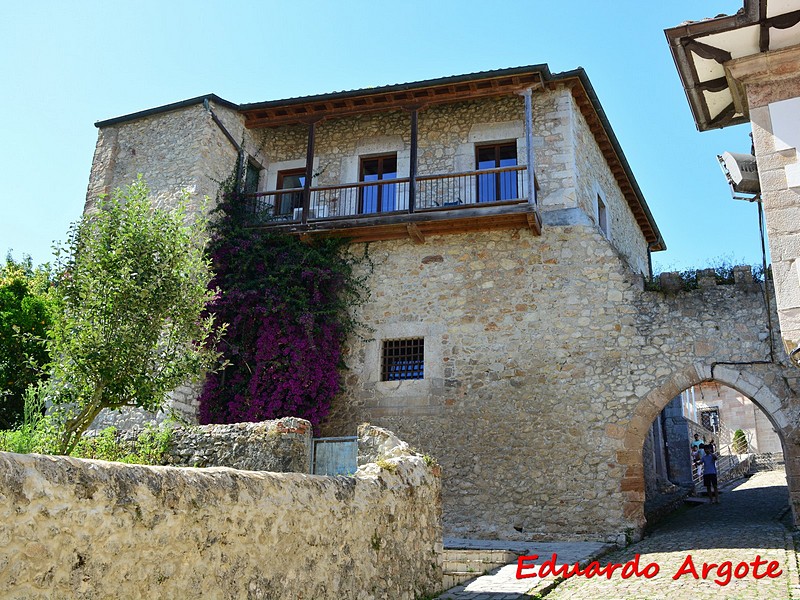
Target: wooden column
column 309, row 172
column 529, row 155
column 412, row 170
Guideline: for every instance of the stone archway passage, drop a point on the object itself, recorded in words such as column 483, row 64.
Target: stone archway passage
column 760, row 383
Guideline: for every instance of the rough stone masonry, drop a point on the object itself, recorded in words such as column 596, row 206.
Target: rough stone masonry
column 546, row 361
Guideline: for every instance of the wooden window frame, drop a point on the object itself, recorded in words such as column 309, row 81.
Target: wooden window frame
column 279, row 183
column 379, row 202
column 497, row 179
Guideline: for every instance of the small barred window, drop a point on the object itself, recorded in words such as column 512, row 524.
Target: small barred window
column 403, row 359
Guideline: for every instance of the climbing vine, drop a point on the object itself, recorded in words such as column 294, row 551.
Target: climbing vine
column 288, row 308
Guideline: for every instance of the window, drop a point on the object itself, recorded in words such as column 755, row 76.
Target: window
column 497, row 186
column 403, row 359
column 286, row 203
column 602, row 215
column 378, row 198
column 709, row 419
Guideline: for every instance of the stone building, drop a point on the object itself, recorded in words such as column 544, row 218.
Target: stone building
column 721, row 410
column 511, row 335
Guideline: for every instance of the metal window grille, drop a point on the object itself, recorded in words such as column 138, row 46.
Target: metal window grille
column 403, row 359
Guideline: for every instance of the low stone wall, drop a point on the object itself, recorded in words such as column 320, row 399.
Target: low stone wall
column 91, row 529
column 281, row 446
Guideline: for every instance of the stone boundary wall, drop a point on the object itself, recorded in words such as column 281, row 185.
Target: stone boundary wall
column 280, row 446
column 673, row 281
column 77, row 528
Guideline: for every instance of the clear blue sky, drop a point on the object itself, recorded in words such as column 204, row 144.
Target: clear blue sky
column 66, row 65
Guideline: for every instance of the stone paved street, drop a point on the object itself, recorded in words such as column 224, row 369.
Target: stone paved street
column 746, row 523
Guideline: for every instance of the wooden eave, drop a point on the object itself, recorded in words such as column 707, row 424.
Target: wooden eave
column 420, row 225
column 300, row 110
column 454, row 89
column 690, row 39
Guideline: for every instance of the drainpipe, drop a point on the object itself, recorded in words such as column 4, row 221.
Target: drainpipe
column 529, row 155
column 650, row 247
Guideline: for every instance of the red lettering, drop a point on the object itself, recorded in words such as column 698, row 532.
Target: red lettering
column 757, row 563
column 576, row 570
column 631, row 568
column 706, row 568
column 686, row 567
column 771, row 569
column 724, row 571
column 525, row 562
column 739, row 575
column 651, row 570
column 592, row 569
column 610, row 568
column 550, row 567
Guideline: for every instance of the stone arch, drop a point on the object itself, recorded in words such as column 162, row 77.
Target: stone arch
column 649, row 406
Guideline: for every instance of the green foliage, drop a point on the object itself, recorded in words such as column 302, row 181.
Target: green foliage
column 150, row 448
column 739, row 444
column 36, row 432
column 132, row 286
column 386, row 465
column 723, row 274
column 25, row 317
column 429, row 460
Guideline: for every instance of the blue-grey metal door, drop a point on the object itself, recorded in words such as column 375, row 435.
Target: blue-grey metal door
column 335, row 456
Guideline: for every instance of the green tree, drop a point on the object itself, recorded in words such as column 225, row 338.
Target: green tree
column 131, row 326
column 739, row 444
column 25, row 314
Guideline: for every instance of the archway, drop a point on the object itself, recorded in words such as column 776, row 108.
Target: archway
column 711, row 413
column 741, row 378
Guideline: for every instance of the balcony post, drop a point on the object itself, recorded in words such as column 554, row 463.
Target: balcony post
column 309, row 172
column 412, row 169
column 529, row 155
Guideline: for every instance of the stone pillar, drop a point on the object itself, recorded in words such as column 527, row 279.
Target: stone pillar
column 677, row 433
column 771, row 83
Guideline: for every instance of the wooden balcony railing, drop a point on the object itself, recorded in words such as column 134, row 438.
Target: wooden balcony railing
column 452, row 191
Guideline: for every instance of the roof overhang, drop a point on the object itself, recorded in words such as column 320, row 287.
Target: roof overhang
column 404, row 95
column 485, row 84
column 703, row 51
column 418, row 94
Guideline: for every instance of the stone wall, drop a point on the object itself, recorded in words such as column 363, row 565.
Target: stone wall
column 280, row 446
column 91, row 529
column 594, row 178
column 769, row 79
column 178, row 150
column 541, row 356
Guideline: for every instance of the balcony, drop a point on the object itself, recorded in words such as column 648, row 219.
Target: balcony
column 402, row 207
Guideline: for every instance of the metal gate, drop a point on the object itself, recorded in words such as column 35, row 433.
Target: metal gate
column 335, row 456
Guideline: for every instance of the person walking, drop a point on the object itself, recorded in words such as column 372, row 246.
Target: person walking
column 709, row 460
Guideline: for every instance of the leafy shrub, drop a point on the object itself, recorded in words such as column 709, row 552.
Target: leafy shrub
column 739, row 444
column 150, row 448
column 133, row 285
column 37, row 432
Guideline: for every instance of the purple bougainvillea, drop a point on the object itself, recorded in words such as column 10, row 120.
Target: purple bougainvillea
column 287, row 308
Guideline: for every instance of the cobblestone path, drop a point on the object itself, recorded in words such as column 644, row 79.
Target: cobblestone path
column 745, row 524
